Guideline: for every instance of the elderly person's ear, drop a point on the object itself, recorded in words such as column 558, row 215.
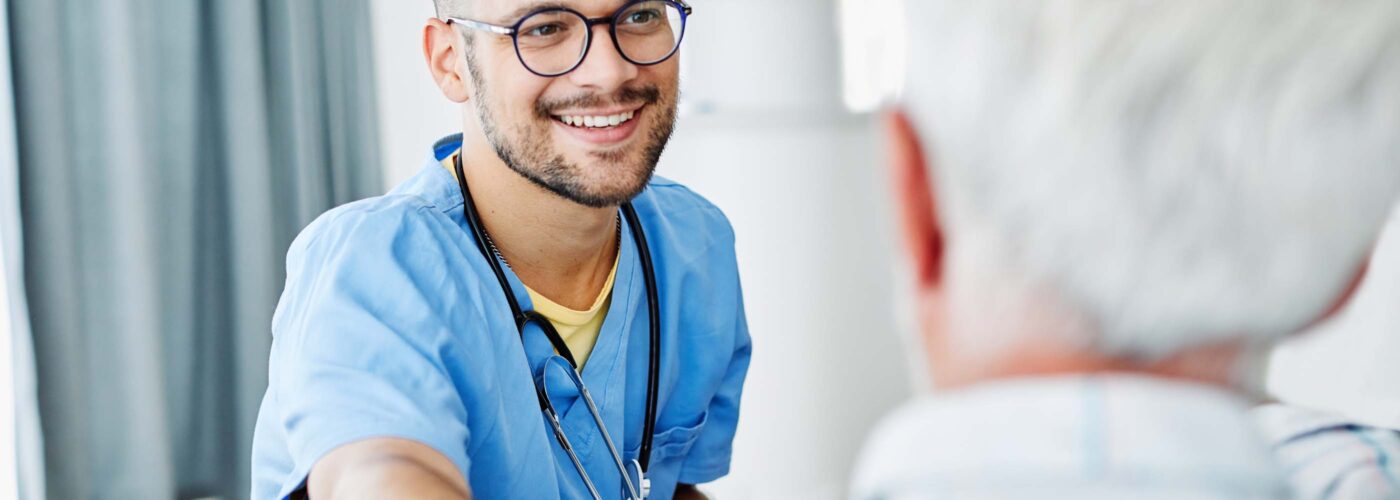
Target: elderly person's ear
column 915, row 202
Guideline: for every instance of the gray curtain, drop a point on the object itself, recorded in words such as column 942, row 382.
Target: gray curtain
column 169, row 152
column 27, row 450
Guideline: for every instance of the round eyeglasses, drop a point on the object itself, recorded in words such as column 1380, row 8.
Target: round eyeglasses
column 553, row 41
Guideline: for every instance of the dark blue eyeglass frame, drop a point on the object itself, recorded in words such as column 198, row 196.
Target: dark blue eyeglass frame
column 513, row 32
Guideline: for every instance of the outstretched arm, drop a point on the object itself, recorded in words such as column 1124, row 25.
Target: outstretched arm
column 386, row 468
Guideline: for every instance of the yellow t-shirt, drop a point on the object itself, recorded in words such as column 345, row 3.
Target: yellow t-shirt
column 578, row 328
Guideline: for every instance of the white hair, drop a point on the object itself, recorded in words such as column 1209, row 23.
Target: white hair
column 1178, row 172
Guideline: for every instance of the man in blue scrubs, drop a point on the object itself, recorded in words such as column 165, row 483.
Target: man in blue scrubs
column 397, row 370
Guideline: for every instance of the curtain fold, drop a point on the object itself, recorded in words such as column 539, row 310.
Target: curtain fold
column 24, row 438
column 169, row 152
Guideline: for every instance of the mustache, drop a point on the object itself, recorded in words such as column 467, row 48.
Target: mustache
column 544, row 108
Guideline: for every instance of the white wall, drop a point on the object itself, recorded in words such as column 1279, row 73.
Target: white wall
column 412, row 111
column 1349, row 365
column 766, row 139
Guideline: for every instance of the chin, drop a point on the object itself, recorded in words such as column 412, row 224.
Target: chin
column 610, row 175
column 618, row 189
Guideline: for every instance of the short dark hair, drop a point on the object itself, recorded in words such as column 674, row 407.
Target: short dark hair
column 450, row 7
column 455, row 8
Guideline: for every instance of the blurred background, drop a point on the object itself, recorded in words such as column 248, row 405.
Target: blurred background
column 158, row 157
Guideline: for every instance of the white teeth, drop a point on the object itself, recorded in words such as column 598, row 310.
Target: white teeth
column 598, row 121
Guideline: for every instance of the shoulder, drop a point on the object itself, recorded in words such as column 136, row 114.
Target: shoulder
column 394, row 258
column 677, row 195
column 904, row 433
column 419, row 207
column 372, row 223
column 380, row 238
column 981, row 422
column 897, row 449
column 672, row 209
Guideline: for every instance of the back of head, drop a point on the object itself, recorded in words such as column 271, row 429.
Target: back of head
column 1180, row 172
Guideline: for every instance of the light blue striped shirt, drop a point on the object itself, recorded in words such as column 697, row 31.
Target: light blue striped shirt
column 1328, row 457
column 1079, row 437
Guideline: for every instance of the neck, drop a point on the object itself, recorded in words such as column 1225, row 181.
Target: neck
column 558, row 248
column 1216, row 365
column 1027, row 331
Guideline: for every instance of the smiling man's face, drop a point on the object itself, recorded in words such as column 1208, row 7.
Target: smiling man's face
column 593, row 135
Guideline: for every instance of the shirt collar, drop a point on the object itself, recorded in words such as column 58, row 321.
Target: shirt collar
column 1072, row 430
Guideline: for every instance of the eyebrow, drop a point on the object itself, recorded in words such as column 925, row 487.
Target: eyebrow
column 515, row 15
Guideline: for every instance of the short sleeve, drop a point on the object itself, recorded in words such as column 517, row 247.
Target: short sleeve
column 361, row 339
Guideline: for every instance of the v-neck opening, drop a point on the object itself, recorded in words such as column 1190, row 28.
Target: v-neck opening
column 609, row 346
column 600, row 375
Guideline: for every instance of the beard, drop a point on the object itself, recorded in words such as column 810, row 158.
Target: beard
column 528, row 148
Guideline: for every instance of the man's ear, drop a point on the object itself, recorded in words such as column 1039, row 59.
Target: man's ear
column 440, row 49
column 915, row 200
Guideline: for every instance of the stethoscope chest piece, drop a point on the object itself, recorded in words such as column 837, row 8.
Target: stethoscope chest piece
column 645, row 481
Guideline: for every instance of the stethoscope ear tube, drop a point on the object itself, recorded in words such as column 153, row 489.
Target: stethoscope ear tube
column 479, row 233
column 654, row 315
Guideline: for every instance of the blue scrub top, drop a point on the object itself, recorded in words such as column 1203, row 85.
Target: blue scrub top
column 393, row 325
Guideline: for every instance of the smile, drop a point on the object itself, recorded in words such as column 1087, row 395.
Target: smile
column 608, row 121
column 595, row 129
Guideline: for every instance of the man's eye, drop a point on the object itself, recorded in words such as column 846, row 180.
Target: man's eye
column 545, row 30
column 642, row 17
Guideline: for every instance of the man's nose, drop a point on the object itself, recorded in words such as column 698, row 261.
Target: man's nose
column 603, row 67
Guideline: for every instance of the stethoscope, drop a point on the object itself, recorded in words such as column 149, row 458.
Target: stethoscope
column 524, row 318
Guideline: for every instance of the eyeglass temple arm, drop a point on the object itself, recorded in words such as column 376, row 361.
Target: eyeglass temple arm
column 478, row 25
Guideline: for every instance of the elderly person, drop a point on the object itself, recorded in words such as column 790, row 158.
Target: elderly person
column 1111, row 210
